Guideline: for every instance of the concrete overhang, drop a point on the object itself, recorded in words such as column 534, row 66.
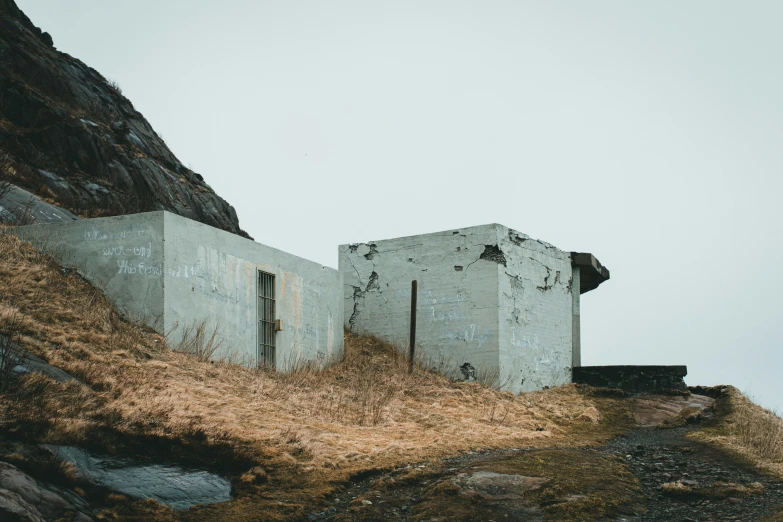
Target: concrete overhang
column 591, row 272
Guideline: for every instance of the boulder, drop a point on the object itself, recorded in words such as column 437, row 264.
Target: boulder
column 24, row 497
column 13, row 508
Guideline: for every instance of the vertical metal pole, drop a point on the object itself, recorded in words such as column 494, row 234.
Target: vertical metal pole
column 413, row 327
column 576, row 329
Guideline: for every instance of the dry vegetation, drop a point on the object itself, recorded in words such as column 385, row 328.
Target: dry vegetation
column 10, row 334
column 747, row 429
column 5, row 176
column 717, row 491
column 198, row 340
column 309, row 430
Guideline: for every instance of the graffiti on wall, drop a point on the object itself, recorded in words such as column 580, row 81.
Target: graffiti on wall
column 130, row 245
column 470, row 334
column 121, row 233
column 125, row 267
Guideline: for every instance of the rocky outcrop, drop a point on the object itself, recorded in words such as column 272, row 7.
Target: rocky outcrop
column 70, row 137
column 23, row 498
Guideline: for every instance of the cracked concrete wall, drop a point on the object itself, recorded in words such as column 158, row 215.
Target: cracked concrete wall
column 170, row 272
column 457, row 321
column 211, row 274
column 493, row 304
column 536, row 308
column 122, row 256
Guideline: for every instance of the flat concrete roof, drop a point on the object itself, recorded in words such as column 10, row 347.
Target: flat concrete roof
column 592, row 273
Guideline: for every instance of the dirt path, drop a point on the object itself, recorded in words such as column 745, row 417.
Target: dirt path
column 648, row 474
column 690, row 481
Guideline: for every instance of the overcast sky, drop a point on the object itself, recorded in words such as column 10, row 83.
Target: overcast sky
column 648, row 133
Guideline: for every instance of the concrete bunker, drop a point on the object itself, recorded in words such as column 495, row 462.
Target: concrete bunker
column 176, row 275
column 494, row 305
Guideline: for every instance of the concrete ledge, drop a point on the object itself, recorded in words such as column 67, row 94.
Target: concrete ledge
column 592, row 272
column 633, row 379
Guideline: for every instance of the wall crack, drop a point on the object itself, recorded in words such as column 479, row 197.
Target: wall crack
column 546, row 286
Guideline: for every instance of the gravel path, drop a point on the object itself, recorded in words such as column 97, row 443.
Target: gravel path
column 715, row 487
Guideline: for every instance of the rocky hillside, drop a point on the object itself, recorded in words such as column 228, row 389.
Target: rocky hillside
column 70, row 137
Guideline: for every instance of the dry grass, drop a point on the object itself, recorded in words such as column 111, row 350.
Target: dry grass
column 114, row 85
column 366, row 411
column 10, row 333
column 5, row 176
column 717, row 491
column 747, row 429
column 200, row 341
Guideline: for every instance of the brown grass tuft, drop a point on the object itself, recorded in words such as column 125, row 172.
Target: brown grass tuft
column 256, row 475
column 200, row 341
column 748, row 429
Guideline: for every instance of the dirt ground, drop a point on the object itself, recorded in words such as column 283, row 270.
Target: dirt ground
column 651, row 473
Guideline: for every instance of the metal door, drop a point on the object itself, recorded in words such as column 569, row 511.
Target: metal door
column 266, row 319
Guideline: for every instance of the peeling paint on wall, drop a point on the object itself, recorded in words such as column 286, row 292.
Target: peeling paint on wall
column 489, row 297
column 493, row 253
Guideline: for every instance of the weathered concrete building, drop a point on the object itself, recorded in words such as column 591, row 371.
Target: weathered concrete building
column 172, row 273
column 493, row 304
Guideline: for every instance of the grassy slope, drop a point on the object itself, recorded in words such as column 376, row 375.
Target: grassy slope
column 286, row 440
column 746, row 429
column 311, row 430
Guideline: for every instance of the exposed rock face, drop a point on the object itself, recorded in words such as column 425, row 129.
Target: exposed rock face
column 23, row 498
column 76, row 142
column 169, row 485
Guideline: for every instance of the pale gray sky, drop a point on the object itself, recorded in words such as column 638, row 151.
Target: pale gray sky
column 647, row 133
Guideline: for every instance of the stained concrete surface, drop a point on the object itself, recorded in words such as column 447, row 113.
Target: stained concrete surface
column 457, row 296
column 172, row 274
column 173, row 486
column 489, row 297
column 210, row 273
column 122, row 256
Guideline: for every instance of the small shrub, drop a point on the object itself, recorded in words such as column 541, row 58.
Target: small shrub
column 493, row 412
column 372, row 395
column 199, row 341
column 114, row 85
column 256, row 475
column 490, row 378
